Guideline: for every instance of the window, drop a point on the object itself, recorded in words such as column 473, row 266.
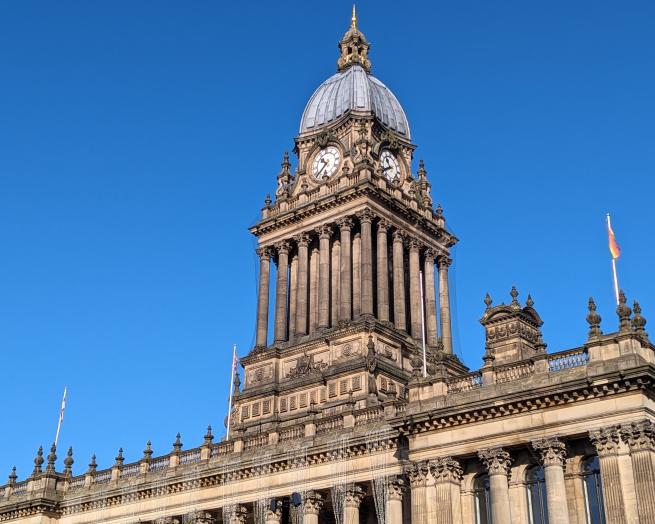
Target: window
column 536, row 487
column 593, row 491
column 482, row 500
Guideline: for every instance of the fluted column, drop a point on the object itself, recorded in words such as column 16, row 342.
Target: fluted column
column 395, row 488
column 640, row 437
column 324, row 233
column 336, row 284
column 415, row 288
column 383, row 271
column 447, row 474
column 399, row 281
column 293, row 292
column 553, row 454
column 302, row 241
column 262, row 297
column 430, row 298
column 313, row 290
column 311, row 507
column 281, row 291
column 352, row 500
column 365, row 220
column 497, row 462
column 444, row 304
column 418, row 474
column 357, row 274
column 274, row 514
column 606, row 441
column 345, row 267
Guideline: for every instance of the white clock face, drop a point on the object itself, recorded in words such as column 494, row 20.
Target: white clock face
column 389, row 165
column 326, row 163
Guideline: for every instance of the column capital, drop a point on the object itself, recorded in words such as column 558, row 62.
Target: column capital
column 240, row 515
column 353, row 496
column 345, row 223
column 399, row 235
column 414, row 244
column 302, row 239
column 496, row 460
column 443, row 261
column 283, row 247
column 396, row 487
column 640, row 436
column 264, row 253
column 365, row 215
column 446, row 469
column 324, row 231
column 605, row 440
column 199, row 517
column 312, row 503
column 430, row 254
column 418, row 473
column 383, row 225
column 551, row 450
column 166, row 520
column 274, row 514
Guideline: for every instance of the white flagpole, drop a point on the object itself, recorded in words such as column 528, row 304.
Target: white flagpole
column 61, row 416
column 229, row 409
column 616, row 280
column 425, row 367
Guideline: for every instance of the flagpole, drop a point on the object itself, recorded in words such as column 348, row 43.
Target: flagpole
column 229, row 409
column 616, row 280
column 425, row 368
column 61, row 416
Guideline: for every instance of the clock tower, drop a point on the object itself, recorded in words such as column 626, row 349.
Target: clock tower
column 360, row 259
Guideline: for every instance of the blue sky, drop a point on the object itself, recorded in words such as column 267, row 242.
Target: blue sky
column 138, row 140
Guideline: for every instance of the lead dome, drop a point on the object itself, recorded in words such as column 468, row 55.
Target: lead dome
column 353, row 89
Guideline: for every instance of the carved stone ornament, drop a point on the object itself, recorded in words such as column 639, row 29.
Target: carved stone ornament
column 306, row 365
column 199, row 517
column 365, row 215
column 418, row 473
column 240, row 515
column 396, row 487
column 325, row 138
column 354, row 496
column 605, row 440
column 496, row 460
column 551, row 450
column 274, row 514
column 167, row 520
column 392, row 143
column 383, row 225
column 446, row 470
column 312, row 503
column 345, row 223
column 324, row 231
column 640, row 436
column 302, row 239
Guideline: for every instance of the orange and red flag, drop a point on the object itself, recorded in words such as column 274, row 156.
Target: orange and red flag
column 614, row 247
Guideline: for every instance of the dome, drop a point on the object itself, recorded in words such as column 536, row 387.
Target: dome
column 353, row 89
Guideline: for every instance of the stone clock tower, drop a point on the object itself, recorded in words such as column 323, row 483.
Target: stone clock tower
column 359, row 253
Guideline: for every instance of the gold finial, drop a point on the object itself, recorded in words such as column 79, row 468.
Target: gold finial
column 353, row 20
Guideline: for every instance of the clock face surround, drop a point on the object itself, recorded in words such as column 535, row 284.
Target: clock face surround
column 389, row 165
column 326, row 163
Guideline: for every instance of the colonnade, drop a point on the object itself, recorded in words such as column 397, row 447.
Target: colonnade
column 359, row 266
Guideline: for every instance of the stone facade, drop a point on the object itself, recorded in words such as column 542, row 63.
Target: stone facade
column 355, row 409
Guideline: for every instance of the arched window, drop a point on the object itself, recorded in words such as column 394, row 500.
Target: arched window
column 536, row 487
column 482, row 500
column 593, row 491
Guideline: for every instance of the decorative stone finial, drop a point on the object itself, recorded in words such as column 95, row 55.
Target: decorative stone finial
column 284, row 178
column 353, row 20
column 52, row 458
column 68, row 462
column 529, row 302
column 12, row 476
column 487, row 300
column 147, row 453
column 237, row 382
column 38, row 461
column 593, row 319
column 119, row 458
column 267, row 201
column 514, row 294
column 177, row 445
column 638, row 322
column 93, row 466
column 624, row 312
column 209, row 436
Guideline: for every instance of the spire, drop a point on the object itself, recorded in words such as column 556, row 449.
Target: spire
column 353, row 47
column 353, row 20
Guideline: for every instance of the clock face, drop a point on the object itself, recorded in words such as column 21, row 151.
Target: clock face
column 326, row 163
column 389, row 165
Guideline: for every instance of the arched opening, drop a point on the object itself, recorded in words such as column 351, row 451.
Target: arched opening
column 535, row 484
column 482, row 500
column 593, row 492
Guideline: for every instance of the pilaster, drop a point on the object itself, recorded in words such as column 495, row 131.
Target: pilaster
column 606, row 441
column 640, row 437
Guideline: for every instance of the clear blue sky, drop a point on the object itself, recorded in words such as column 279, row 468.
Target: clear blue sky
column 138, row 139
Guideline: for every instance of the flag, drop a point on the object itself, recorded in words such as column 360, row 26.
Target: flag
column 61, row 415
column 235, row 361
column 614, row 247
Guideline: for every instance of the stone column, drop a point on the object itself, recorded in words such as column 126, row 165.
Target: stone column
column 313, row 290
column 240, row 515
column 606, row 442
column 352, row 500
column 281, row 291
column 324, row 233
column 383, row 271
column 447, row 474
column 311, row 507
column 293, row 292
column 640, row 437
column 336, row 275
column 444, row 304
column 357, row 275
column 302, row 241
column 414, row 288
column 497, row 462
column 274, row 516
column 262, row 298
column 399, row 281
column 345, row 271
column 430, row 298
column 553, row 454
column 418, row 475
column 395, row 489
column 365, row 219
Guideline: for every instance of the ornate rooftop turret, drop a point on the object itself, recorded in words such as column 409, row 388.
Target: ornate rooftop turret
column 354, row 47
